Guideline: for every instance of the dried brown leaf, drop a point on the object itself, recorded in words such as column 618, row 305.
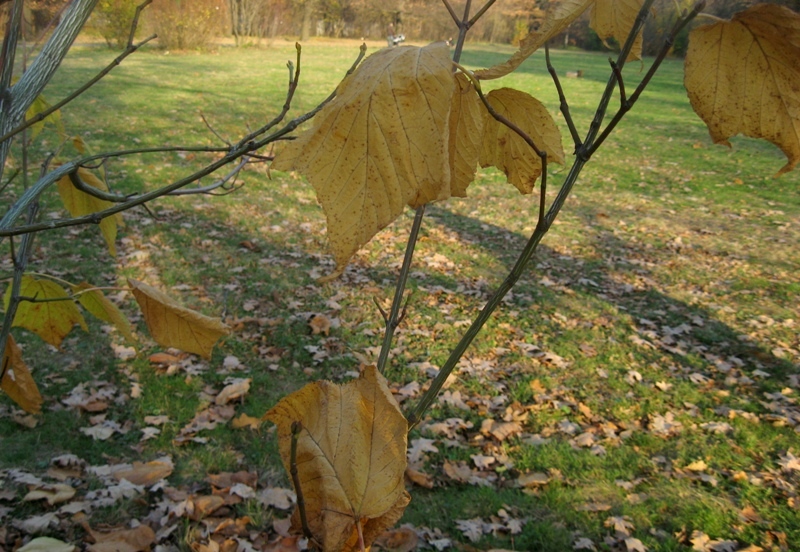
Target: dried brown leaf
column 146, row 473
column 559, row 17
column 742, row 75
column 138, row 539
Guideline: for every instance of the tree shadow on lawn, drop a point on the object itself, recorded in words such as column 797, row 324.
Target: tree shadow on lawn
column 592, row 277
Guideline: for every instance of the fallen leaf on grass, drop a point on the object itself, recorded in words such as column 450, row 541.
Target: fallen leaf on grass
column 534, row 479
column 243, row 421
column 46, row 544
column 419, row 478
column 402, row 539
column 320, row 324
column 237, row 389
column 138, row 539
column 54, row 494
column 351, row 457
column 276, row 497
column 146, row 474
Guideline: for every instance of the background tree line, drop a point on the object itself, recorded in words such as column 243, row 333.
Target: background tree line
column 189, row 24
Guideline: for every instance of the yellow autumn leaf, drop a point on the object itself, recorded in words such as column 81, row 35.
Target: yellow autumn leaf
column 51, row 319
column 558, row 18
column 505, row 149
column 173, row 325
column 79, row 204
column 351, row 456
column 99, row 306
column 742, row 74
column 614, row 19
column 40, row 105
column 17, row 381
column 380, row 145
column 466, row 131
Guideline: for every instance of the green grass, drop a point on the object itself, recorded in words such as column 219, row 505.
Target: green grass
column 614, row 271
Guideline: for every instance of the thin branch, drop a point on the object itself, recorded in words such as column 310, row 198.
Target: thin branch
column 665, row 48
column 213, row 131
column 52, row 109
column 451, row 11
column 381, row 310
column 297, row 427
column 542, row 227
column 135, row 22
column 600, row 113
column 218, row 184
column 393, row 320
column 463, row 28
column 242, row 148
column 480, row 13
column 20, row 263
column 563, row 105
column 623, row 101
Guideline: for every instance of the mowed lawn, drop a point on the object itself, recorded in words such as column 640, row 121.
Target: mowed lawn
column 639, row 385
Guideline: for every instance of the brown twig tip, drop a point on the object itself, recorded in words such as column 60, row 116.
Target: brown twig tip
column 298, row 47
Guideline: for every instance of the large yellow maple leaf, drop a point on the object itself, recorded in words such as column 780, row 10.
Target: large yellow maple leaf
column 742, row 75
column 350, row 458
column 380, row 145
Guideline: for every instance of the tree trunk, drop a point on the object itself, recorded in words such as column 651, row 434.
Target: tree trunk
column 308, row 13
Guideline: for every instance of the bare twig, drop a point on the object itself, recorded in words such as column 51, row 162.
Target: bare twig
column 20, row 264
column 213, row 130
column 135, row 22
column 481, row 12
column 563, row 105
column 393, row 320
column 381, row 310
column 623, row 101
column 542, row 227
column 244, row 147
column 451, row 11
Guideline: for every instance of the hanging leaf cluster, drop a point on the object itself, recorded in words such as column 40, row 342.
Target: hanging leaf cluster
column 404, row 130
